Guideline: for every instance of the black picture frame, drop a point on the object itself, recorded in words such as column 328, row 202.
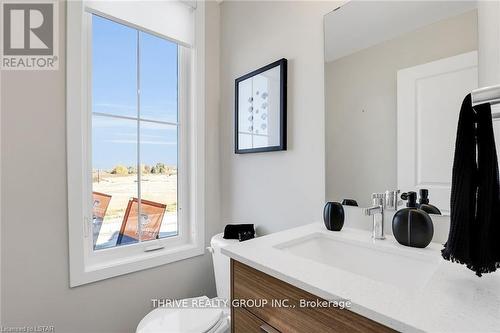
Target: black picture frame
column 282, row 63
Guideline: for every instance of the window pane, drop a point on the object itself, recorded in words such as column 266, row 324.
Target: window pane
column 117, row 217
column 114, row 181
column 114, row 68
column 159, row 180
column 158, row 78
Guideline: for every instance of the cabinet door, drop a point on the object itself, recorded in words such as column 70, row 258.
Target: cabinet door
column 245, row 322
column 251, row 284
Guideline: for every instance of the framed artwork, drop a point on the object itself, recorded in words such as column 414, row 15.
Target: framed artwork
column 260, row 109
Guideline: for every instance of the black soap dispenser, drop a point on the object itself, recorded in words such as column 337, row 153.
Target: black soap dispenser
column 412, row 226
column 423, row 203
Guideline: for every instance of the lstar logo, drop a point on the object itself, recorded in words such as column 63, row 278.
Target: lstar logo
column 29, row 33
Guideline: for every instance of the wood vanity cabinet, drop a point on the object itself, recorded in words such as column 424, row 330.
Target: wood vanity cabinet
column 250, row 284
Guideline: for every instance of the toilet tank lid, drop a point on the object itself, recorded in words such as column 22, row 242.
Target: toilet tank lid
column 218, row 241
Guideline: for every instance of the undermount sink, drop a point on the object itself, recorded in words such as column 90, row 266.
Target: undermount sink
column 391, row 265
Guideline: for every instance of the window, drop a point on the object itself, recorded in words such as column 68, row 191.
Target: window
column 135, row 138
column 134, row 135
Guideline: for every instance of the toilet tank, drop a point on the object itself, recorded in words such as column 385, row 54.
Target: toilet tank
column 221, row 264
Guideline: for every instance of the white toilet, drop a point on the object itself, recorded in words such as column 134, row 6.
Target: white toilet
column 202, row 319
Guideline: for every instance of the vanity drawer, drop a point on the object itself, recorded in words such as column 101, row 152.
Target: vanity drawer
column 246, row 322
column 250, row 284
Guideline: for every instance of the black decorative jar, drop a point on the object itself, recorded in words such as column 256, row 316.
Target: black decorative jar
column 333, row 215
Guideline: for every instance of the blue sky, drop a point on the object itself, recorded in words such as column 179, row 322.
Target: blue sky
column 114, row 86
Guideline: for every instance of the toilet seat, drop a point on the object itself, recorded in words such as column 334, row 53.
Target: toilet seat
column 184, row 320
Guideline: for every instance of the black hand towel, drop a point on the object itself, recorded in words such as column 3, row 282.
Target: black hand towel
column 474, row 238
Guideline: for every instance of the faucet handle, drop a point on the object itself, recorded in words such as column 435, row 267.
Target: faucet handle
column 378, row 199
column 392, row 199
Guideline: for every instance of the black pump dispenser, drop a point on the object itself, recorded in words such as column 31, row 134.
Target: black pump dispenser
column 423, row 203
column 411, row 198
column 424, row 196
column 412, row 226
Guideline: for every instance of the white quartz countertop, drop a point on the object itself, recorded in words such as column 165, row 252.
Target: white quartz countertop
column 450, row 298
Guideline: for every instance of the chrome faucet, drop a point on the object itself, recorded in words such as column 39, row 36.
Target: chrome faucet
column 381, row 202
column 377, row 211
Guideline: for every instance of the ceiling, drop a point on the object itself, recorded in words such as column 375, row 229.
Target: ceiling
column 361, row 24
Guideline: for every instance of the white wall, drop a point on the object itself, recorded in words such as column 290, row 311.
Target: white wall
column 275, row 190
column 361, row 95
column 212, row 119
column 35, row 278
column 489, row 43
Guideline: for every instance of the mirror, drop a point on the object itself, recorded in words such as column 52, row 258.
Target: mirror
column 260, row 109
column 395, row 76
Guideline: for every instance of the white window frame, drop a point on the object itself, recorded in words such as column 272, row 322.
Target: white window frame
column 87, row 265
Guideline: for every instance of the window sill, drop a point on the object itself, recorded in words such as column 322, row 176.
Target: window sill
column 130, row 264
